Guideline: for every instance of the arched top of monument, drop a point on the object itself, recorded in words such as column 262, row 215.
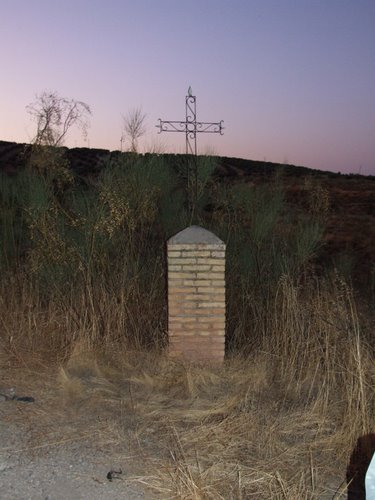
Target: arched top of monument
column 195, row 235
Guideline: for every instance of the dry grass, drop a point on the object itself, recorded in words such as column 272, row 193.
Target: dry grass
column 239, row 431
column 83, row 327
column 280, row 423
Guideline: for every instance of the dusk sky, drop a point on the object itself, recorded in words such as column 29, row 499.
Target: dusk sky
column 293, row 80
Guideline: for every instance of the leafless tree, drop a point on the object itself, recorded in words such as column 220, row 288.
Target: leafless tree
column 133, row 128
column 55, row 115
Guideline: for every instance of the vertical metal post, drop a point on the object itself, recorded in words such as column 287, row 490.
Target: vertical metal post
column 191, row 127
column 191, row 124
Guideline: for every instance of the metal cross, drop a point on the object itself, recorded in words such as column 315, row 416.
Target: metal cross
column 190, row 126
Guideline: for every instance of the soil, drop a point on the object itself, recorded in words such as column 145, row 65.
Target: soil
column 48, row 451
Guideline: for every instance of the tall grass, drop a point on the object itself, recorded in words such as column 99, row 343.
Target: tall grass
column 83, row 264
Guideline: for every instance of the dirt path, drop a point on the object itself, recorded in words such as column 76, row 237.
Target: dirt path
column 48, row 451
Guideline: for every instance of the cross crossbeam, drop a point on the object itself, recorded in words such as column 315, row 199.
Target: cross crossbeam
column 190, row 127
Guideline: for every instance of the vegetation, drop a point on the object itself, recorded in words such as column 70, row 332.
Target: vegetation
column 133, row 128
column 55, row 116
column 83, row 285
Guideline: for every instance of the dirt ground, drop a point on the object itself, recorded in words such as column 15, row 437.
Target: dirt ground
column 49, row 450
column 138, row 430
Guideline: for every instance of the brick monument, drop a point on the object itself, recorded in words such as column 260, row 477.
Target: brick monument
column 196, row 295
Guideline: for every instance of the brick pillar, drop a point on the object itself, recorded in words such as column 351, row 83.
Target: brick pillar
column 196, row 295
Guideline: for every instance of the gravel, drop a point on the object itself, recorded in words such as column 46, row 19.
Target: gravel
column 62, row 478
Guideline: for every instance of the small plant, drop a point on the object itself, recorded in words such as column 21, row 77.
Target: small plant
column 133, row 128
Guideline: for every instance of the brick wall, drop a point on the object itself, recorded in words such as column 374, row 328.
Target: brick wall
column 196, row 295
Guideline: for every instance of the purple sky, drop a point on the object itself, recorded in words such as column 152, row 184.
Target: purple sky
column 293, row 80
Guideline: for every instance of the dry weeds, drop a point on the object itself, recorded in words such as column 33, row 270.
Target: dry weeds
column 280, row 423
column 238, row 431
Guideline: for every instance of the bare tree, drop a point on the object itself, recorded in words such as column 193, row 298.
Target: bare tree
column 55, row 116
column 133, row 128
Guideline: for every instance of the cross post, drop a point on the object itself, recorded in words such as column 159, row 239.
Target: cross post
column 191, row 127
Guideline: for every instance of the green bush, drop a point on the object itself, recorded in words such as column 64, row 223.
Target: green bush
column 105, row 236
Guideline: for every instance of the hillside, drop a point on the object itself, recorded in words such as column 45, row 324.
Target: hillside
column 350, row 233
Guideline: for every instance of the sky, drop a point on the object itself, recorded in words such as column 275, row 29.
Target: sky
column 293, row 80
